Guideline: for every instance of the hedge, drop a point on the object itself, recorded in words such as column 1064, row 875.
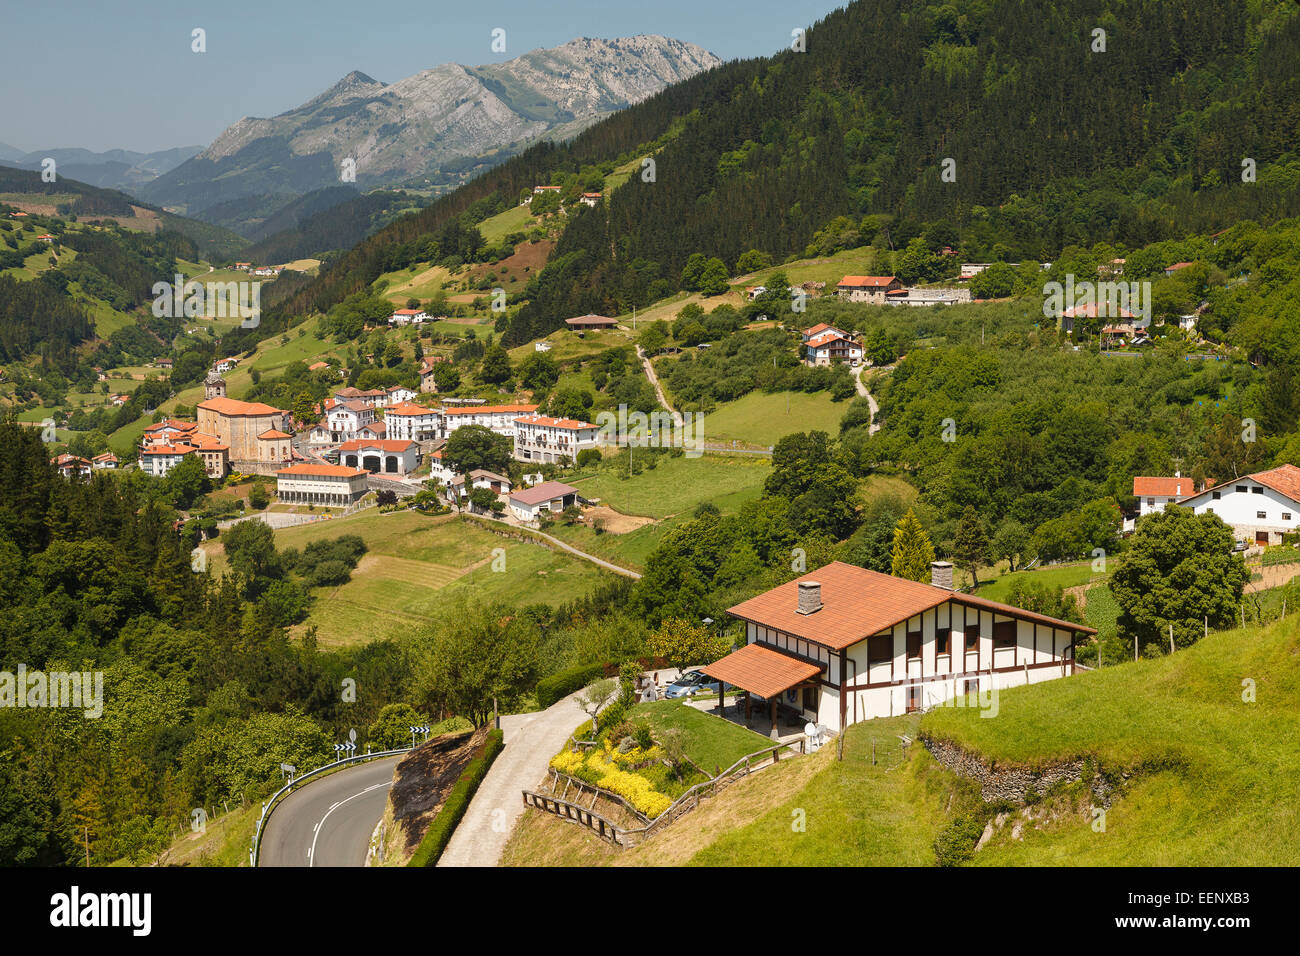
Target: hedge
column 457, row 802
column 569, row 681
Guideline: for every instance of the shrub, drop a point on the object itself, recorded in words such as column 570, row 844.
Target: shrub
column 457, row 802
column 569, row 681
column 956, row 842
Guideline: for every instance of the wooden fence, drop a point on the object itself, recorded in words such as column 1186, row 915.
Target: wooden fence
column 606, row 829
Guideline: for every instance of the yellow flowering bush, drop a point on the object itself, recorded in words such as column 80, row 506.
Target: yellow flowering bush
column 604, row 767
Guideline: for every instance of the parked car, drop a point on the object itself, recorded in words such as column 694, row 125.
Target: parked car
column 1241, row 546
column 690, row 683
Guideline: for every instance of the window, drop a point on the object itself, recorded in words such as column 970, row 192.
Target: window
column 1214, row 495
column 1004, row 634
column 1256, row 491
column 943, row 640
column 1241, row 488
column 1261, row 514
column 913, row 645
column 1286, row 516
column 973, row 639
column 810, row 698
column 1151, row 502
column 880, row 649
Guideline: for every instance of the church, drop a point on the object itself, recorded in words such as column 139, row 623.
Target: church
column 256, row 434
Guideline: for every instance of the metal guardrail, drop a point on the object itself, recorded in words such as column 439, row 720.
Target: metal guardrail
column 295, row 782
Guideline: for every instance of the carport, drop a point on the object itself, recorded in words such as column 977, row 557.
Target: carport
column 765, row 672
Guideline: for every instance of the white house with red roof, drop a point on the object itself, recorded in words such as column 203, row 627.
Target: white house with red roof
column 829, row 345
column 498, row 418
column 843, row 644
column 1154, row 493
column 408, row 317
column 347, row 418
column 413, row 422
column 539, row 438
column 1259, row 508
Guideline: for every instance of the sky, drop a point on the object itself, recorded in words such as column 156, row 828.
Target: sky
column 110, row 74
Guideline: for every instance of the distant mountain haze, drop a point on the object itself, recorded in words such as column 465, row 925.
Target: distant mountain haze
column 431, row 128
column 110, row 169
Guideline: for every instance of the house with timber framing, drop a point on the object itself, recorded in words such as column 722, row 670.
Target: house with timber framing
column 844, row 644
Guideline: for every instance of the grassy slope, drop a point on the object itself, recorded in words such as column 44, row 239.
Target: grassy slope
column 1212, row 776
column 417, row 566
column 674, row 485
column 763, row 419
column 713, row 743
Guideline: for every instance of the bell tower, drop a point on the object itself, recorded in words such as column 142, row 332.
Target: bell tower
column 214, row 386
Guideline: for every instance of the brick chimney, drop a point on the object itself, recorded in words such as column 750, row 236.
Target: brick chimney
column 810, row 597
column 941, row 574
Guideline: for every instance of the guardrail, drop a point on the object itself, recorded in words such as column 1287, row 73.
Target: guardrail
column 295, row 782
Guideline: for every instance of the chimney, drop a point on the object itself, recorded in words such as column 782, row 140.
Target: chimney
column 810, row 597
column 941, row 574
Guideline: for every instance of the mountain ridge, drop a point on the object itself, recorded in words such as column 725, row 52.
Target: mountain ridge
column 409, row 130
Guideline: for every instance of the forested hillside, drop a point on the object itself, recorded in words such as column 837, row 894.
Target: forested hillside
column 1054, row 142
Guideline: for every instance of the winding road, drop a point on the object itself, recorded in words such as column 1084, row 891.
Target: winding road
column 329, row 821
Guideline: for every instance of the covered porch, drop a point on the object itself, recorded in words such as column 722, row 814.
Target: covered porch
column 784, row 685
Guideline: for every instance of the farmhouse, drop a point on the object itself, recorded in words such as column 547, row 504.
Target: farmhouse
column 106, row 460
column 390, row 456
column 550, row 496
column 590, row 199
column 335, row 485
column 590, row 321
column 829, row 344
column 542, row 439
column 370, row 397
column 70, row 466
column 868, row 288
column 408, row 317
column 843, row 644
column 1259, row 508
column 1153, row 493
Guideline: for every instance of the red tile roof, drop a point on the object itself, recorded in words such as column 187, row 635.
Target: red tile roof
column 569, row 423
column 273, row 433
column 383, row 444
column 1284, row 479
column 761, row 670
column 489, row 409
column 870, row 282
column 407, row 408
column 231, row 406
column 321, row 471
column 1144, row 486
column 591, row 319
column 857, row 603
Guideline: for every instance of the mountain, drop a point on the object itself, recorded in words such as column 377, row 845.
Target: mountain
column 111, row 169
column 430, row 128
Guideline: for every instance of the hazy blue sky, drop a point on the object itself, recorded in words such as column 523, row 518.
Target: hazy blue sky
column 105, row 74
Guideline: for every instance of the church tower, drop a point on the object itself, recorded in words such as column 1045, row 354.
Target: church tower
column 214, row 386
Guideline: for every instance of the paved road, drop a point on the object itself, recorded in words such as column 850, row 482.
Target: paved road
column 531, row 741
column 329, row 821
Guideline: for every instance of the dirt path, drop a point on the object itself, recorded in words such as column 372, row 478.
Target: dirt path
column 531, row 741
column 871, row 399
column 654, row 380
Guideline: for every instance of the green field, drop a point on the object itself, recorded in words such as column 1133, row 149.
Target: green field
column 1057, row 575
column 763, row 419
column 416, row 568
column 712, row 743
column 515, row 219
column 674, row 485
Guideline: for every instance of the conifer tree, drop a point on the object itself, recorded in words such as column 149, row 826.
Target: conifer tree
column 913, row 551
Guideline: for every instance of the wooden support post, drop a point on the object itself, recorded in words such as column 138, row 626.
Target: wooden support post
column 776, row 733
